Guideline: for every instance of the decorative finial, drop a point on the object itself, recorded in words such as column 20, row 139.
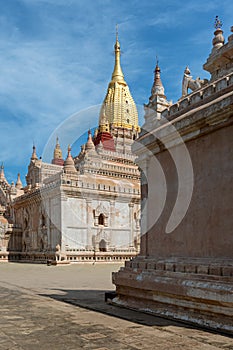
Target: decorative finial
column 117, row 74
column 217, row 23
column 116, row 32
column 157, row 69
column 117, row 44
column 218, row 40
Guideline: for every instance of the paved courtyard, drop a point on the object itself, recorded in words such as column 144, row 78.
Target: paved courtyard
column 47, row 307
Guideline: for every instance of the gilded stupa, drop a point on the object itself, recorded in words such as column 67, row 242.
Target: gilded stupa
column 118, row 109
column 118, row 119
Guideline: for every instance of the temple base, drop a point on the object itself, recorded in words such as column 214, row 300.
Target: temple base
column 196, row 291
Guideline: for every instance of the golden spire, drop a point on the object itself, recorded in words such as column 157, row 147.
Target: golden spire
column 57, row 154
column 118, row 108
column 117, row 74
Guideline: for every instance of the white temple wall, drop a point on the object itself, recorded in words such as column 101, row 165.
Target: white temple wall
column 55, row 222
column 81, row 228
column 74, row 238
column 122, row 215
column 74, row 223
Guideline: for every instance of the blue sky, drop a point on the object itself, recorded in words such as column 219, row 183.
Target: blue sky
column 57, row 57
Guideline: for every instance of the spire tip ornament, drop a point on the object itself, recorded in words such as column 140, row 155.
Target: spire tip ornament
column 116, row 32
column 217, row 23
column 117, row 74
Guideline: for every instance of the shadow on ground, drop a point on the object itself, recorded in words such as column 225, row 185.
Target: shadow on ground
column 95, row 300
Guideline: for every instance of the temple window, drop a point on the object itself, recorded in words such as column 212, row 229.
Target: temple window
column 101, row 219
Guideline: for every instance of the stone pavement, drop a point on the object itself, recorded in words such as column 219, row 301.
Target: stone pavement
column 46, row 307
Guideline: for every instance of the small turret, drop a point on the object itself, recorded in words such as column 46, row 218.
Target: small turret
column 157, row 88
column 34, row 156
column 220, row 61
column 57, row 154
column 19, row 184
column 100, row 146
column 69, row 166
column 89, row 145
column 157, row 101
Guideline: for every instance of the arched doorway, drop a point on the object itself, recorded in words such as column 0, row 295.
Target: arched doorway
column 102, row 246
